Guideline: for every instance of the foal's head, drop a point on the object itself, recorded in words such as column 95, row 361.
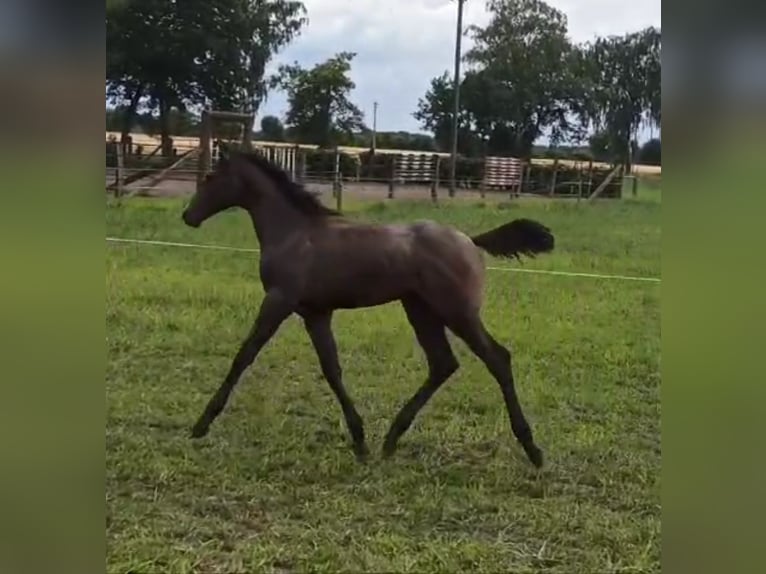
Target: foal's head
column 245, row 180
column 223, row 188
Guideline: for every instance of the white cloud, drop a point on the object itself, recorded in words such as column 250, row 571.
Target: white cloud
column 402, row 44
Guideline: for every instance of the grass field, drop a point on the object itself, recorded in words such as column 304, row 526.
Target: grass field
column 275, row 487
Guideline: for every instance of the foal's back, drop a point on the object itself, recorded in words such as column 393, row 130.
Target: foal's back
column 358, row 265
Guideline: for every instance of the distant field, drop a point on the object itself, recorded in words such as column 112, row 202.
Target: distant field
column 275, row 487
column 638, row 169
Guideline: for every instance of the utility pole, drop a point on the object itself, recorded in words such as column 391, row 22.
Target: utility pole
column 374, row 123
column 456, row 108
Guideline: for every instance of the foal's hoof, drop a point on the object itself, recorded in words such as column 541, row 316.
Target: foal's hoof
column 362, row 453
column 388, row 450
column 535, row 455
column 198, row 431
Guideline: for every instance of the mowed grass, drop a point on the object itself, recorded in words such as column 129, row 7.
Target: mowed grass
column 275, row 487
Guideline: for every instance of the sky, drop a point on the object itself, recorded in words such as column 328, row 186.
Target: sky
column 402, row 44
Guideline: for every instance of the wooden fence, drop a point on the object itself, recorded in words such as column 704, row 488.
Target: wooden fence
column 390, row 168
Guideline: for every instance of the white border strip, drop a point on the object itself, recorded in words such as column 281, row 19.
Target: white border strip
column 510, row 269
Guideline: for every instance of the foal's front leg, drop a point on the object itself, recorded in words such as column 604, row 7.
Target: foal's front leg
column 319, row 327
column 275, row 308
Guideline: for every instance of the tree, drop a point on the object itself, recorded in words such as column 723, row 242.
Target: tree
column 600, row 146
column 651, row 153
column 179, row 123
column 165, row 54
column 520, row 82
column 525, row 61
column 404, row 140
column 623, row 85
column 272, row 129
column 320, row 110
column 435, row 111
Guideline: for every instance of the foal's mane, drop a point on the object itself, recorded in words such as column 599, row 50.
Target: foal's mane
column 295, row 193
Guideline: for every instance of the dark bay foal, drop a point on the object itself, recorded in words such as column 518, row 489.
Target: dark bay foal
column 313, row 261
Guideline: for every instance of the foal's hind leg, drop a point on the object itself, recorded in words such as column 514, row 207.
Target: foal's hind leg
column 274, row 310
column 320, row 330
column 498, row 360
column 430, row 332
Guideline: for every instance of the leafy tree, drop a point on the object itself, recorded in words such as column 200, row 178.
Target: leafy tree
column 525, row 82
column 272, row 129
column 166, row 54
column 179, row 122
column 623, row 85
column 651, row 152
column 113, row 119
column 435, row 111
column 320, row 110
column 526, row 78
column 521, row 81
column 386, row 140
column 599, row 144
column 113, row 3
column 404, row 140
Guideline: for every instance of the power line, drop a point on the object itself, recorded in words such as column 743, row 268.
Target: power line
column 490, row 268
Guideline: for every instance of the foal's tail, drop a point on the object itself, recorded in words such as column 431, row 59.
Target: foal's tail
column 520, row 236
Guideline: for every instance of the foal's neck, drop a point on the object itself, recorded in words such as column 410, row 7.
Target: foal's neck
column 274, row 220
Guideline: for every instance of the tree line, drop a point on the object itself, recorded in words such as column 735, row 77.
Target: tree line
column 525, row 78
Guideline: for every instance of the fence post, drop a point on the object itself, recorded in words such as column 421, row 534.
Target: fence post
column 435, row 182
column 118, row 172
column 526, row 172
column 520, row 181
column 555, row 173
column 391, row 176
column 337, row 184
column 512, row 188
column 300, row 164
column 247, row 137
column 590, row 177
column 204, row 153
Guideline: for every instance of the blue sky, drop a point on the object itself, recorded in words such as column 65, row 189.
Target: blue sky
column 402, row 44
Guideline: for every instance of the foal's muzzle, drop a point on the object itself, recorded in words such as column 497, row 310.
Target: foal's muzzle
column 189, row 220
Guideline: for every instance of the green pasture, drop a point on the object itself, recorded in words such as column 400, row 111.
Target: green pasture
column 275, row 487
